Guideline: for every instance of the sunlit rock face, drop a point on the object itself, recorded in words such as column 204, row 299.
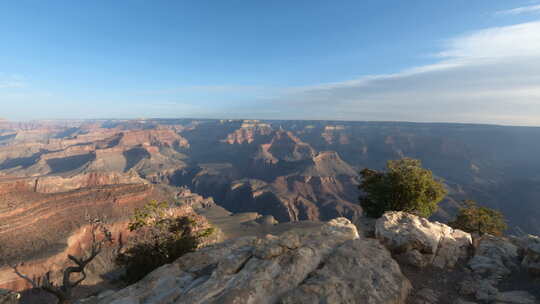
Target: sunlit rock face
column 421, row 242
column 311, row 166
column 41, row 229
column 310, row 265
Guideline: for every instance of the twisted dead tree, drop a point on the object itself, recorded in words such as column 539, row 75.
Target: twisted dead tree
column 64, row 292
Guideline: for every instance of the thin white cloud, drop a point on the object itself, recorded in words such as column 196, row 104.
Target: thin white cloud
column 11, row 84
column 11, row 81
column 521, row 10
column 225, row 88
column 486, row 76
column 519, row 40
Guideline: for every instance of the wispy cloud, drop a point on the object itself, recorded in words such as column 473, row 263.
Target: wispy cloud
column 222, row 88
column 11, row 81
column 486, row 76
column 11, row 84
column 521, row 10
column 521, row 40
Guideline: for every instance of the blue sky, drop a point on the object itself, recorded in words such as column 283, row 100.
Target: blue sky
column 451, row 61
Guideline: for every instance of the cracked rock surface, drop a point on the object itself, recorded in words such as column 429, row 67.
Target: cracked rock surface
column 327, row 264
column 421, row 242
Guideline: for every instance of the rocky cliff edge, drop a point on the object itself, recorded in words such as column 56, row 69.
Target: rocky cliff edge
column 407, row 259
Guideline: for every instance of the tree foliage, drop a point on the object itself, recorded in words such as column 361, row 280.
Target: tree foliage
column 160, row 238
column 477, row 219
column 405, row 186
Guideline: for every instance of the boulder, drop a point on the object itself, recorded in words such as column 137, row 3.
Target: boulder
column 359, row 271
column 438, row 244
column 531, row 254
column 495, row 258
column 330, row 259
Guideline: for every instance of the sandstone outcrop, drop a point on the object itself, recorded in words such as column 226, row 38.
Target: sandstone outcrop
column 327, row 264
column 335, row 135
column 155, row 137
column 420, row 242
column 248, row 133
column 285, row 146
column 294, row 198
column 148, row 152
column 54, row 184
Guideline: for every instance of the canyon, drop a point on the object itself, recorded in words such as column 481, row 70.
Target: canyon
column 237, row 174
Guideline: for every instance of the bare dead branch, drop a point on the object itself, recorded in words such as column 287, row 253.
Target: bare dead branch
column 64, row 292
column 26, row 278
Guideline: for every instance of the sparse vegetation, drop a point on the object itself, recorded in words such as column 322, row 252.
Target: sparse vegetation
column 64, row 293
column 481, row 220
column 405, row 186
column 160, row 238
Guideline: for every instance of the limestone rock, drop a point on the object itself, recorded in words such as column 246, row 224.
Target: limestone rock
column 426, row 296
column 440, row 245
column 366, row 225
column 484, row 290
column 359, row 271
column 412, row 257
column 495, row 259
column 531, row 256
column 515, row 297
column 274, row 269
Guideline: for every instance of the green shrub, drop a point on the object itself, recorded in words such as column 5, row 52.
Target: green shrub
column 160, row 238
column 405, row 186
column 477, row 219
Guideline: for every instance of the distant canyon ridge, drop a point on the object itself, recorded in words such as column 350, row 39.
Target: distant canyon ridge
column 292, row 170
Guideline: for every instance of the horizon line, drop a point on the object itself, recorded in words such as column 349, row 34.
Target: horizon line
column 265, row 119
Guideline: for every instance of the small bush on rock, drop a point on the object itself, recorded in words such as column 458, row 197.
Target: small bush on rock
column 477, row 219
column 405, row 186
column 160, row 238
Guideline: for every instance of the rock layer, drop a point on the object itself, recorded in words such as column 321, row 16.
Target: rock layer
column 30, row 237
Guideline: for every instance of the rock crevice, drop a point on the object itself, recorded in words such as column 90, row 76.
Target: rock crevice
column 308, row 265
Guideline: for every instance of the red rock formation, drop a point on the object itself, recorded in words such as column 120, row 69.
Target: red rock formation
column 284, row 146
column 248, row 133
column 41, row 229
column 155, row 137
column 54, row 184
column 335, row 135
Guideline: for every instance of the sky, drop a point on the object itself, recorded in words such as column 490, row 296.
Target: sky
column 376, row 60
